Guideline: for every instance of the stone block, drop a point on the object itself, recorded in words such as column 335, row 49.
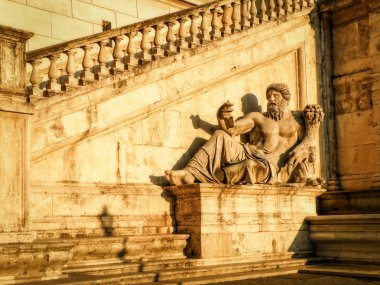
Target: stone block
column 357, row 159
column 92, row 13
column 19, row 1
column 172, row 129
column 123, row 19
column 26, row 18
column 38, row 41
column 127, row 103
column 153, row 129
column 62, row 7
column 76, row 210
column 66, row 28
column 147, row 9
column 216, row 216
column 127, row 7
column 355, row 129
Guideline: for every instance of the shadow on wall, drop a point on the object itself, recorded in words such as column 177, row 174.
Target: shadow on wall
column 249, row 103
column 301, row 245
column 181, row 162
column 106, row 221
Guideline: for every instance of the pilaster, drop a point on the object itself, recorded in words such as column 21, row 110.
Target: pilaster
column 15, row 113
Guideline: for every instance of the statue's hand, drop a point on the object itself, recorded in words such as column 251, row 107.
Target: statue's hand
column 224, row 111
column 296, row 156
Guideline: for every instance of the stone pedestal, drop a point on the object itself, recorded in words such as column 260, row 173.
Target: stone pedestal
column 227, row 221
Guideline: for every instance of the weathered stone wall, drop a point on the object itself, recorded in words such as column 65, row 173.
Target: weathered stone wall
column 130, row 129
column 355, row 34
column 58, row 21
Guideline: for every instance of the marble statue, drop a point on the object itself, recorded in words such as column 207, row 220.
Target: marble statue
column 279, row 142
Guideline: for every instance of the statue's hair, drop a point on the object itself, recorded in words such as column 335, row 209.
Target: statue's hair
column 280, row 87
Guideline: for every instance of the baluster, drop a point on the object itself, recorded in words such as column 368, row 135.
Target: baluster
column 170, row 39
column 87, row 63
column 262, row 15
column 205, row 35
column 244, row 14
column 310, row 3
column 130, row 60
column 302, row 4
column 235, row 18
column 226, row 20
column 35, row 78
column 287, row 6
column 296, row 5
column 117, row 54
column 157, row 51
column 215, row 29
column 102, row 71
column 253, row 13
column 280, row 8
column 194, row 40
column 53, row 74
column 270, row 10
column 144, row 45
column 182, row 34
column 70, row 81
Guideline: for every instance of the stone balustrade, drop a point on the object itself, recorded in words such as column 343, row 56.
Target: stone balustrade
column 75, row 63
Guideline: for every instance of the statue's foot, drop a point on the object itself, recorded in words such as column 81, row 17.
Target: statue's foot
column 179, row 177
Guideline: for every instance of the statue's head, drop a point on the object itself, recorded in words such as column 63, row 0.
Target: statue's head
column 278, row 97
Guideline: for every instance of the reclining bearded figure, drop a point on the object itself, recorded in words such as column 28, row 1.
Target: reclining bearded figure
column 279, row 141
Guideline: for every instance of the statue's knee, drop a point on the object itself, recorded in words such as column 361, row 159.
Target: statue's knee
column 219, row 133
column 249, row 163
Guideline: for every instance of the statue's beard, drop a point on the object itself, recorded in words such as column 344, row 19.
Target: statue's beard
column 276, row 111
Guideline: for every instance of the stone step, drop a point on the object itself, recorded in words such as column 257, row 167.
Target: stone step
column 175, row 272
column 215, row 270
column 120, row 266
column 346, row 238
column 84, row 279
column 211, row 279
column 95, row 250
column 346, row 270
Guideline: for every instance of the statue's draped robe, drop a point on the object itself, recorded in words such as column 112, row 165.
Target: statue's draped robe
column 224, row 160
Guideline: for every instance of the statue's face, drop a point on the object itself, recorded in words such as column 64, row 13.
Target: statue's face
column 276, row 104
column 274, row 97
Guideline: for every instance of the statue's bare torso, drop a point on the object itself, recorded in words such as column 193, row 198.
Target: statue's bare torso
column 275, row 137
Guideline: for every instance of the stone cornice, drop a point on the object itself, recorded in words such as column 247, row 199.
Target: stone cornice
column 14, row 34
column 336, row 5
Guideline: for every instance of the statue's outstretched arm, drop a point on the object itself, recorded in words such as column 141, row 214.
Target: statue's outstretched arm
column 313, row 117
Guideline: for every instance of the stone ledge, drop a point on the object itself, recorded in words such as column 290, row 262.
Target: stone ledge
column 349, row 202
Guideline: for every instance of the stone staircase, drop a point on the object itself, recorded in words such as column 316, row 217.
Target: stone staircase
column 177, row 271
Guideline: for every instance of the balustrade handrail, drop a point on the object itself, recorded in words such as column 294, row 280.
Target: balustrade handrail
column 77, row 43
column 227, row 17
